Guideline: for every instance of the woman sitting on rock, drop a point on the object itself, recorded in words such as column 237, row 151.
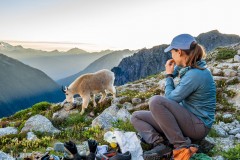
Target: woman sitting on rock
column 186, row 113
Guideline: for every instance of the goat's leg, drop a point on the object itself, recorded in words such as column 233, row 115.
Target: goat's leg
column 103, row 97
column 112, row 90
column 62, row 104
column 85, row 103
column 94, row 102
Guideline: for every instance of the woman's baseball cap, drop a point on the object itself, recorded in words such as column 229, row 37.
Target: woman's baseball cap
column 182, row 41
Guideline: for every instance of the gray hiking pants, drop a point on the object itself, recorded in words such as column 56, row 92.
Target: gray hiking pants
column 168, row 119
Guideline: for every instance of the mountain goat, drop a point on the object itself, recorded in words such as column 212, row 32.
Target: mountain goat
column 91, row 83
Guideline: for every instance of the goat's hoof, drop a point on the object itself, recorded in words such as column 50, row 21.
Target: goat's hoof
column 91, row 114
column 81, row 113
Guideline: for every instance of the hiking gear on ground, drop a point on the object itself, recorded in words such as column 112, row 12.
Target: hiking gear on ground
column 102, row 149
column 92, row 144
column 184, row 152
column 105, row 156
column 121, row 156
column 158, row 152
column 200, row 156
column 71, row 147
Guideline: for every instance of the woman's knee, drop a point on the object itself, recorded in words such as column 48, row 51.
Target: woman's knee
column 134, row 116
column 155, row 102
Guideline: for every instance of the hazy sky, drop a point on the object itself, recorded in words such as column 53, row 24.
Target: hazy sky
column 114, row 24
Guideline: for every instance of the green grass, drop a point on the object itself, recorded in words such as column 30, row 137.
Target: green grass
column 124, row 125
column 143, row 95
column 232, row 153
column 42, row 106
column 213, row 133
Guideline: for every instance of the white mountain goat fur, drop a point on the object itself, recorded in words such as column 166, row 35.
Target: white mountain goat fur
column 91, row 83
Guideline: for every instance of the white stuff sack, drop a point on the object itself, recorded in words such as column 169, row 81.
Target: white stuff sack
column 128, row 141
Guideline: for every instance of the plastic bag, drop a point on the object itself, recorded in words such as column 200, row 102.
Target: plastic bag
column 128, row 141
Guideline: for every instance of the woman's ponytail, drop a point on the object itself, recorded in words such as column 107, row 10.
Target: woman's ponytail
column 195, row 53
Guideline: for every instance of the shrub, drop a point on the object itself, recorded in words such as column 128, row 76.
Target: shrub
column 225, row 53
column 39, row 107
column 94, row 133
column 23, row 114
column 124, row 125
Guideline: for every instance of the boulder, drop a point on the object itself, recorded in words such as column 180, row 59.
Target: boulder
column 39, row 123
column 220, row 131
column 162, row 84
column 123, row 114
column 4, row 156
column 235, row 131
column 236, row 58
column 128, row 106
column 110, row 115
column 59, row 147
column 136, row 100
column 63, row 113
column 31, row 136
column 219, row 78
column 218, row 158
column 229, row 73
column 217, row 72
column 7, row 131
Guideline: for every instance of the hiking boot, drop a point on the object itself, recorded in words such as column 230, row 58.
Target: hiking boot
column 158, row 152
column 120, row 156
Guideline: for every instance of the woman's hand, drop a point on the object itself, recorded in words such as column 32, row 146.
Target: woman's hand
column 170, row 66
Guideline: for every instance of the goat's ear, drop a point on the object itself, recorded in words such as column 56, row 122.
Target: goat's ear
column 63, row 89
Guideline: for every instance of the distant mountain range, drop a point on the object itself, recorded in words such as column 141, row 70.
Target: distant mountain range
column 105, row 62
column 55, row 64
column 21, row 86
column 152, row 61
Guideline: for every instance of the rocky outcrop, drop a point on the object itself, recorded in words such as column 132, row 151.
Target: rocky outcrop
column 39, row 123
column 142, row 64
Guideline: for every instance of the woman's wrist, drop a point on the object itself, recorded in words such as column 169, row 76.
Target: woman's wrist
column 169, row 75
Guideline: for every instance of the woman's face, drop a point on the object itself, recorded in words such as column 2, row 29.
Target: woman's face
column 176, row 56
column 179, row 57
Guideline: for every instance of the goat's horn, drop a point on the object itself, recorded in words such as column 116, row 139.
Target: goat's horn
column 63, row 89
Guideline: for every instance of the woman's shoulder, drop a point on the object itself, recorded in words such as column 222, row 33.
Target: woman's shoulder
column 198, row 73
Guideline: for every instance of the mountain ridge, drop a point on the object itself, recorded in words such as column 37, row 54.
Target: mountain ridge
column 22, row 86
